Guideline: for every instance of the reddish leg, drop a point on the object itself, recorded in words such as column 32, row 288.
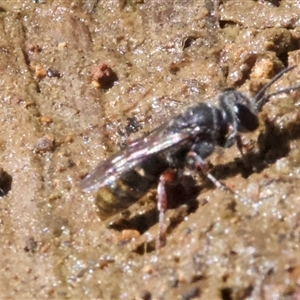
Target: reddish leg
column 167, row 177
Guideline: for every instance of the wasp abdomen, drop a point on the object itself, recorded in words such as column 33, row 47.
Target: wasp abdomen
column 129, row 187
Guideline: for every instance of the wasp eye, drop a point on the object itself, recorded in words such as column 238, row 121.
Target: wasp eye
column 247, row 120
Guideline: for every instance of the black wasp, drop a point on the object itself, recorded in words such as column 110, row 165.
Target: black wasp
column 184, row 141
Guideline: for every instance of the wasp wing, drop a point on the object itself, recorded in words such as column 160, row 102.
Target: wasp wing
column 157, row 141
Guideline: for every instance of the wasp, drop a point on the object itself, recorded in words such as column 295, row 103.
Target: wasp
column 184, row 141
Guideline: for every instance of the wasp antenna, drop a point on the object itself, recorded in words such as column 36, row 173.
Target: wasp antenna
column 265, row 99
column 261, row 100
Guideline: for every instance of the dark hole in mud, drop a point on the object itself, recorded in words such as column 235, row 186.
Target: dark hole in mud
column 188, row 41
column 284, row 58
column 226, row 294
column 226, row 24
column 274, row 2
column 146, row 295
column 5, row 182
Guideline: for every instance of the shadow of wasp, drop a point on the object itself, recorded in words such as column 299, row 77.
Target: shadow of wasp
column 183, row 142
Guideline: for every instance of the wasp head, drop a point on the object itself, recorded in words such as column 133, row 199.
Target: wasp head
column 240, row 112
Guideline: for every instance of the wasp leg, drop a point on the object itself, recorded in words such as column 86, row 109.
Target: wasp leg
column 235, row 138
column 240, row 145
column 199, row 163
column 167, row 177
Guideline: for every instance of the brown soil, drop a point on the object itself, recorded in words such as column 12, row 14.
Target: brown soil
column 79, row 80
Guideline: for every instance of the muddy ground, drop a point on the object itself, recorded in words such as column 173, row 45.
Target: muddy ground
column 81, row 79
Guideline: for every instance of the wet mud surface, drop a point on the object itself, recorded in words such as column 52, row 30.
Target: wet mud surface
column 79, row 81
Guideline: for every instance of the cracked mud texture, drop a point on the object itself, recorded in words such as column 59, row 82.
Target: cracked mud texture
column 81, row 79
